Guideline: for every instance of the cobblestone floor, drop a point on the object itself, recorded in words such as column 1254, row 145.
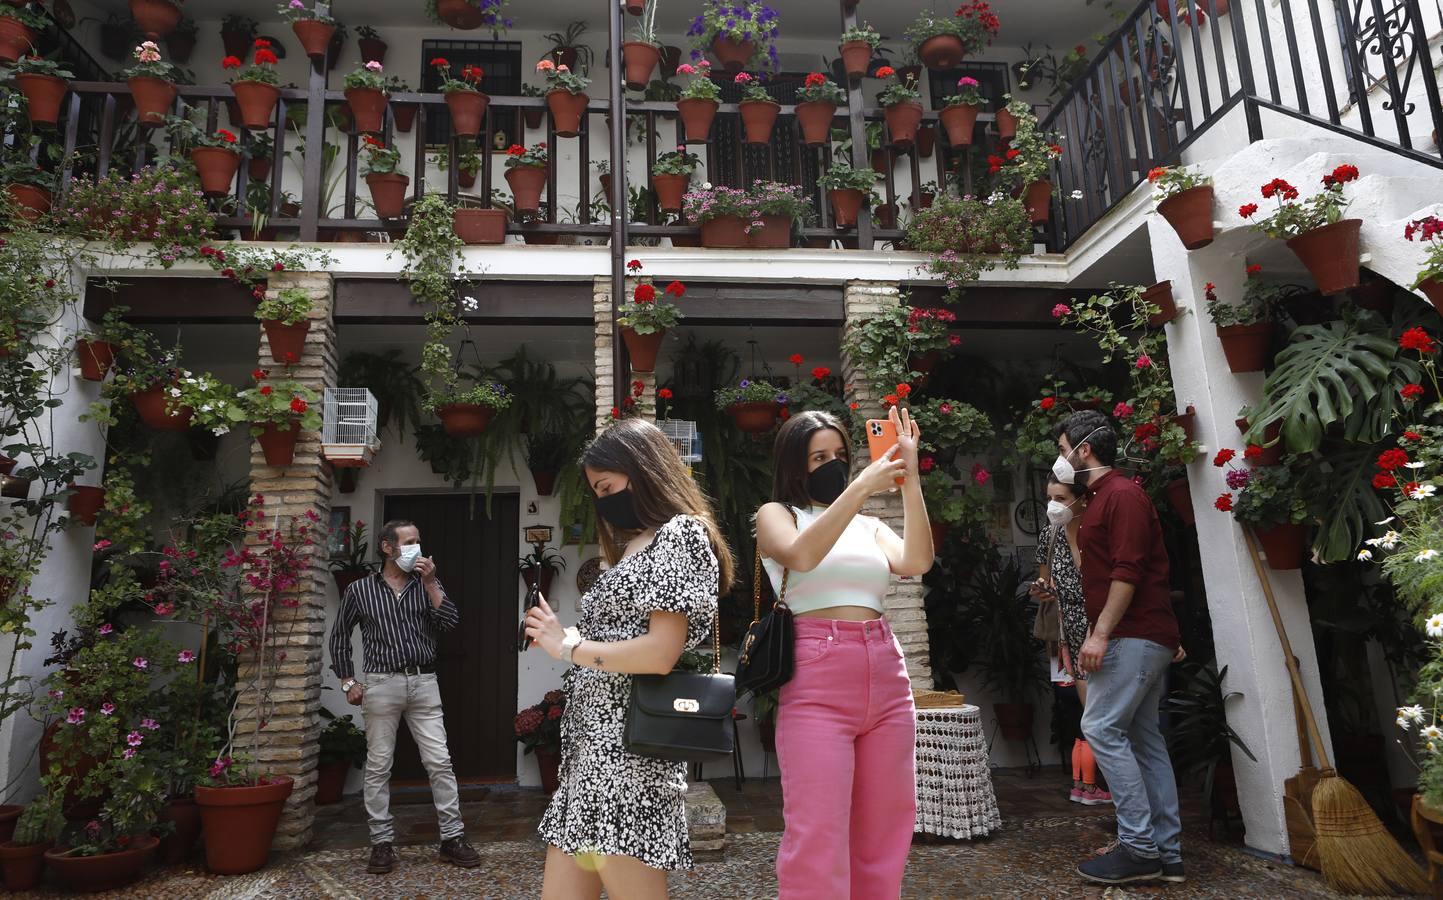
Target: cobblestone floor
column 1042, row 838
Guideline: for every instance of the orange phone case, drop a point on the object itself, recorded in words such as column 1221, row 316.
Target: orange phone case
column 881, row 437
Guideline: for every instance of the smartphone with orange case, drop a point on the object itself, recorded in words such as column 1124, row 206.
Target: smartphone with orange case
column 881, row 437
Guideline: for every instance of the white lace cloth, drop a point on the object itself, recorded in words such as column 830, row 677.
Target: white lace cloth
column 954, row 778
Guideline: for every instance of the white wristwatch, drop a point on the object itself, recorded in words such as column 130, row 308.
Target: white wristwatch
column 569, row 643
column 348, row 684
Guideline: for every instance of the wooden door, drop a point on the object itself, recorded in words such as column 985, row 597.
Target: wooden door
column 476, row 662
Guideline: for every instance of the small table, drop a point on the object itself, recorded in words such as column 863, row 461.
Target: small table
column 954, row 775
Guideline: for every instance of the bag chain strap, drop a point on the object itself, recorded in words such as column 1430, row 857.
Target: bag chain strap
column 757, row 589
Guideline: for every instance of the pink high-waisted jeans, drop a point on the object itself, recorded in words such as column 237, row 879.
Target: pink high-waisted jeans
column 846, row 744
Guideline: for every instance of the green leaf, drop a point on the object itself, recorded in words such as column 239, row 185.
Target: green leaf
column 1352, row 505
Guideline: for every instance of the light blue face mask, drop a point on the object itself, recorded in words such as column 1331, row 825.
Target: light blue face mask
column 407, row 556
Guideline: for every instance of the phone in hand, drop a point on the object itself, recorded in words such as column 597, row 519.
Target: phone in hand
column 533, row 599
column 881, row 437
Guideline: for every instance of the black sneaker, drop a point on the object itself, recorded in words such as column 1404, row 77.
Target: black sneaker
column 1172, row 872
column 383, row 858
column 1120, row 866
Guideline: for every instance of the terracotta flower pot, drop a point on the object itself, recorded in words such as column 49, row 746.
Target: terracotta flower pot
column 1037, row 197
column 1006, row 124
column 462, row 14
column 237, row 43
column 331, row 781
column 287, row 342
column 1273, row 455
column 105, row 872
column 845, row 206
column 758, row 116
column 1247, row 347
column 640, row 59
column 566, row 111
column 548, row 760
column 85, row 502
column 278, row 443
column 153, row 98
column 23, row 865
column 733, row 55
column 33, row 201
column 856, row 56
column 150, row 405
column 96, row 357
column 465, row 179
column 468, row 111
column 480, row 226
column 526, row 183
column 943, row 51
column 464, row 419
column 15, row 39
column 960, row 121
column 177, row 846
column 724, row 232
column 368, row 106
column 372, row 50
column 533, row 116
column 545, row 481
column 388, row 193
column 258, row 169
column 404, row 115
column 1433, row 290
column 903, row 119
column 774, row 234
column 1015, row 719
column 217, row 168
column 669, row 190
column 1190, row 213
column 754, row 418
column 635, row 7
column 43, row 94
column 1179, row 497
column 1187, row 421
column 815, row 119
column 156, row 18
column 180, row 47
column 926, row 140
column 314, row 35
column 1161, row 294
column 696, row 118
column 1286, row 546
column 1331, row 255
column 643, row 348
column 9, row 815
column 239, row 824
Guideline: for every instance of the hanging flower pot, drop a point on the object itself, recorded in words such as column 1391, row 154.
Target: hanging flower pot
column 1179, row 497
column 368, row 106
column 23, row 865
column 635, row 7
column 314, row 35
column 545, row 481
column 388, row 193
column 566, row 111
column 903, row 119
column 156, row 18
column 468, row 111
column 1247, row 347
column 16, row 40
column 43, row 94
column 1037, row 197
column 404, row 115
column 960, row 120
column 1161, row 295
column 278, row 443
column 331, row 781
column 528, row 577
column 1433, row 290
column 372, row 49
column 464, row 15
column 96, row 358
column 526, row 183
column 846, row 204
column 1375, row 294
column 1006, row 124
column 1190, row 213
column 548, row 761
column 236, row 43
column 533, row 116
column 754, row 418
column 33, row 201
column 258, row 169
column 856, row 57
column 696, row 118
column 775, row 233
column 175, row 847
column 643, row 348
column 939, row 530
column 733, row 55
column 107, row 871
column 640, row 59
column 287, row 342
column 464, row 419
column 153, row 98
column 1331, row 255
column 1286, row 546
column 815, row 119
column 217, row 168
column 480, row 226
column 724, row 232
column 942, row 51
column 924, row 363
column 150, row 404
column 1271, row 456
column 85, row 502
column 239, row 823
column 758, row 116
column 344, row 578
column 926, row 141
column 670, row 189
column 15, row 488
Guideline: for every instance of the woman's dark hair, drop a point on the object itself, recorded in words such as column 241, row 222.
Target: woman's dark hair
column 1078, row 490
column 659, row 483
column 789, row 455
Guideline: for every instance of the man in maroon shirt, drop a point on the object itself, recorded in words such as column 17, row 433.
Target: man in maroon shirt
column 1133, row 639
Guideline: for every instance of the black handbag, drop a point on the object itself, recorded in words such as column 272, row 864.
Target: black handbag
column 765, row 660
column 682, row 716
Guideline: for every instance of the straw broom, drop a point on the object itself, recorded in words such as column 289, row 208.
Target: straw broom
column 1357, row 853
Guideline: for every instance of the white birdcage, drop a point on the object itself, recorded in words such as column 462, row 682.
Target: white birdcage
column 684, row 437
column 348, row 432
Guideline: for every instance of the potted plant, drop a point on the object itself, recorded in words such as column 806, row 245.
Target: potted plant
column 538, row 728
column 236, row 33
column 858, row 44
column 1245, row 329
column 356, row 564
column 1027, row 163
column 565, row 96
column 181, row 41
column 214, row 155
column 155, row 18
column 343, row 748
column 285, row 316
column 758, row 110
column 699, row 101
column 18, row 29
column 902, row 106
column 97, row 348
column 366, row 93
column 764, row 710
column 470, row 14
column 1270, row 501
column 368, row 41
column 641, row 54
column 464, row 97
column 151, row 84
column 277, row 410
column 721, row 212
column 1201, row 739
column 547, row 452
column 965, row 237
column 740, row 35
column 388, row 186
column 1160, row 304
column 671, row 175
column 773, row 207
column 1429, row 280
column 1315, row 230
column 567, row 49
column 548, row 562
column 941, row 42
column 644, row 323
column 468, row 163
column 28, row 187
column 753, row 405
column 313, row 29
column 995, row 610
column 44, row 83
column 526, row 171
column 959, row 116
column 111, row 850
column 533, row 115
column 944, row 506
column 1185, row 200
column 22, row 858
column 817, row 102
column 848, row 189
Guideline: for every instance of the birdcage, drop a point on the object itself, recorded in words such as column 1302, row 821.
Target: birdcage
column 348, row 432
column 684, row 437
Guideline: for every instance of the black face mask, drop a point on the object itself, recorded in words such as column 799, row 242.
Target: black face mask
column 827, row 481
column 619, row 510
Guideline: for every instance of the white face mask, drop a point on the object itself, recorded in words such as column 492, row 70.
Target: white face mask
column 406, row 558
column 1063, row 469
column 1059, row 513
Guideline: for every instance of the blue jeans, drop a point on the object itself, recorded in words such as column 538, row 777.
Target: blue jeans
column 1121, row 725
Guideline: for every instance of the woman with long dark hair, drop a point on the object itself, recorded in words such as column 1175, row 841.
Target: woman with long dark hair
column 846, row 725
column 667, row 563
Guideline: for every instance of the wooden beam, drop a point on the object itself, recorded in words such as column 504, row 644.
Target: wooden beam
column 998, row 307
column 210, row 299
column 379, row 301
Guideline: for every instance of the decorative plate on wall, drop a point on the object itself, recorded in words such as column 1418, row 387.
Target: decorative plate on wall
column 588, row 573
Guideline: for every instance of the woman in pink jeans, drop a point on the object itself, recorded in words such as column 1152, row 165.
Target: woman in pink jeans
column 846, row 728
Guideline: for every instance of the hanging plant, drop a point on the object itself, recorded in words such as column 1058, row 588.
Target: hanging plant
column 741, row 35
column 1315, row 230
column 966, row 237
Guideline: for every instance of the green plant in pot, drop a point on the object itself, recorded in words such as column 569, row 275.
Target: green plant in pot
column 285, row 316
column 1201, row 739
column 645, row 320
column 1270, row 500
column 752, row 403
column 343, row 748
column 547, row 453
column 999, row 615
column 849, row 190
column 22, row 858
column 547, row 562
column 357, row 563
column 391, row 381
column 538, row 729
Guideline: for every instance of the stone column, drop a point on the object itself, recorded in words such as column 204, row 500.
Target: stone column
column 290, row 742
column 905, row 612
column 1247, row 643
column 605, row 336
column 646, row 403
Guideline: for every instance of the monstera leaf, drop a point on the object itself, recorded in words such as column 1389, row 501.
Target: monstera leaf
column 1345, row 479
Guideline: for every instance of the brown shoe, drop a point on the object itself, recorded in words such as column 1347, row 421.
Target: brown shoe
column 459, row 853
column 383, row 859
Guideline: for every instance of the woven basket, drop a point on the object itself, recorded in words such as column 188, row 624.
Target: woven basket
column 936, row 699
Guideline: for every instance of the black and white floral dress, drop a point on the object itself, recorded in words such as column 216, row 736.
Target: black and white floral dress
column 1053, row 551
column 610, row 801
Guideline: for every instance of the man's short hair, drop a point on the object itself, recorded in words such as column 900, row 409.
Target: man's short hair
column 1093, row 428
column 387, row 534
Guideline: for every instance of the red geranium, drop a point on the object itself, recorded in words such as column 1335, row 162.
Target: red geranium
column 796, row 359
column 1224, row 457
column 473, row 74
column 1417, row 339
column 1280, row 187
column 1155, row 173
column 258, row 374
column 1254, row 269
column 904, row 390
column 1412, row 436
column 515, row 150
column 1047, row 403
column 631, row 266
column 885, row 72
column 1253, row 452
column 816, row 79
column 1247, row 210
column 664, row 394
column 1411, row 391
column 230, row 62
column 890, row 399
column 821, row 372
column 262, row 44
column 645, row 293
column 266, row 390
column 227, row 136
column 1384, row 480
column 994, row 164
column 1224, row 503
column 1013, row 153
column 440, row 61
column 266, row 58
column 676, row 289
column 1389, row 460
column 298, row 405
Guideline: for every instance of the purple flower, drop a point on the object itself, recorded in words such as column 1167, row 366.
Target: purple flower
column 140, row 663
column 107, row 708
column 129, row 753
column 77, row 715
column 745, row 383
column 106, row 629
column 1238, row 478
column 135, row 739
column 149, row 724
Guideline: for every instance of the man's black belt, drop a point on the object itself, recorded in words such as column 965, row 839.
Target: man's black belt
column 416, row 670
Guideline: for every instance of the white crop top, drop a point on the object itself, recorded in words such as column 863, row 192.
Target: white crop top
column 854, row 573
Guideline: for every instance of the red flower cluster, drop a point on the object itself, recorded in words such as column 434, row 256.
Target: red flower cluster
column 796, row 359
column 633, row 265
column 1247, row 210
column 1210, row 292
column 266, row 390
column 1411, row 391
column 266, row 58
column 1384, row 480
column 515, row 150
column 816, row 79
column 1416, row 338
column 676, row 289
column 1224, row 503
column 885, row 72
column 1341, row 175
column 982, row 12
column 994, row 164
column 664, row 394
column 299, row 405
column 1013, row 153
column 1427, row 228
column 1254, row 269
column 1156, row 173
column 821, row 372
column 1224, row 457
column 473, row 74
column 1389, row 460
column 227, row 136
column 1047, row 403
column 904, row 390
column 1412, row 436
column 230, row 62
column 1253, row 452
column 645, row 293
column 440, row 62
column 1280, row 188
column 890, row 399
column 925, row 314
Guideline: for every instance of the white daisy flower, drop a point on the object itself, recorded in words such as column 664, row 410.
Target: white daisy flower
column 1416, row 464
column 1387, row 521
column 1434, row 625
column 1402, row 723
column 1424, row 556
column 175, row 392
column 1374, row 542
column 219, row 431
column 1390, row 540
column 1411, row 713
column 1423, row 492
column 1365, row 556
column 1432, row 732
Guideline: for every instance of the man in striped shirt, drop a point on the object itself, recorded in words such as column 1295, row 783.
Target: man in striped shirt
column 401, row 611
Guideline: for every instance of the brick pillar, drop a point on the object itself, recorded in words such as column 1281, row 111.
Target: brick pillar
column 646, row 403
column 605, row 336
column 291, row 738
column 905, row 612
